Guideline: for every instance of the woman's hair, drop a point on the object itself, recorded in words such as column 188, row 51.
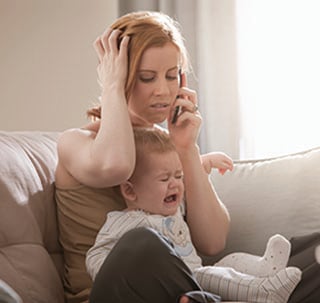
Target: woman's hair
column 146, row 29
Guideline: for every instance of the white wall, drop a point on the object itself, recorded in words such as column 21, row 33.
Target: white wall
column 47, row 62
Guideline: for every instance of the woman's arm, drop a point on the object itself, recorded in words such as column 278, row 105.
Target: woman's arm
column 104, row 157
column 207, row 217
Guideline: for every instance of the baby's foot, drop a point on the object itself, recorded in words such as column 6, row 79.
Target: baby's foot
column 274, row 259
column 236, row 286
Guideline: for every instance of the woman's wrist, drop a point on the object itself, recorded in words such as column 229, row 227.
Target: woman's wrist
column 188, row 153
column 112, row 89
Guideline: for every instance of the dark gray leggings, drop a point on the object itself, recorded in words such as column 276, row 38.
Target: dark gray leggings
column 143, row 268
column 302, row 256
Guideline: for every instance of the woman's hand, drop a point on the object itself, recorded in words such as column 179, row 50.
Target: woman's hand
column 185, row 130
column 207, row 217
column 113, row 59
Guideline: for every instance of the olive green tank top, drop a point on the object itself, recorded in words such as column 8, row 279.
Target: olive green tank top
column 81, row 212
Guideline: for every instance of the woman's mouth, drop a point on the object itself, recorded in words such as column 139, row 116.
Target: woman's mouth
column 160, row 106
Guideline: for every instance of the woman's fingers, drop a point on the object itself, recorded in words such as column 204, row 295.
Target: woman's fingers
column 99, row 48
column 107, row 42
column 112, row 53
column 113, row 41
column 183, row 80
column 187, row 105
column 124, row 46
column 187, row 116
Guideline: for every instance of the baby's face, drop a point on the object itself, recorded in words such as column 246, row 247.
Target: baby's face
column 159, row 184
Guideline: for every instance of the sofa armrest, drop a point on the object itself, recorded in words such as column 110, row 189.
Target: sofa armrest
column 30, row 258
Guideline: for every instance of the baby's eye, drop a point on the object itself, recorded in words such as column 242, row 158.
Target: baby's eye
column 164, row 179
column 180, row 176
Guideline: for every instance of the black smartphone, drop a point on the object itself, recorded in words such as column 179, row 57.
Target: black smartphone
column 177, row 108
column 175, row 114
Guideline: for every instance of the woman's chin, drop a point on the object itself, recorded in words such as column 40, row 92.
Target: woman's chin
column 160, row 120
column 150, row 121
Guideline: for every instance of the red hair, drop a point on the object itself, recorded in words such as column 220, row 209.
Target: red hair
column 146, row 29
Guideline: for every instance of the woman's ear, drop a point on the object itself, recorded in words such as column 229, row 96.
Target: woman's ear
column 127, row 191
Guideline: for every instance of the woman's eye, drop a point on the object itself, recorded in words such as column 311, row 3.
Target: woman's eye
column 144, row 79
column 172, row 78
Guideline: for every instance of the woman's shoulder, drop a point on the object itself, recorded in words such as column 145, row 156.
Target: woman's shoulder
column 69, row 142
column 89, row 129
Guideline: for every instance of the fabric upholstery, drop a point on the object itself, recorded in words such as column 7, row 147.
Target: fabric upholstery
column 264, row 197
column 30, row 255
column 279, row 195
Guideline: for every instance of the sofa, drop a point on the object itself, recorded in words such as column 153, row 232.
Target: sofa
column 31, row 259
column 264, row 197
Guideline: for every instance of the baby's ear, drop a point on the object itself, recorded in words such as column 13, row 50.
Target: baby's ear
column 127, row 191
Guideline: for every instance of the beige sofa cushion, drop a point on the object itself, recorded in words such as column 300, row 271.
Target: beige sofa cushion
column 269, row 196
column 30, row 256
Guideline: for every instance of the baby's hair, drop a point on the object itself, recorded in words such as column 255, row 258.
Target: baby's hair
column 149, row 140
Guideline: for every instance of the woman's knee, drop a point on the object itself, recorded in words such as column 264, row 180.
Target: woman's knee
column 144, row 240
column 143, row 257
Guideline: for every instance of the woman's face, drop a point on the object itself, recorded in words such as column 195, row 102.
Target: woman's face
column 157, row 84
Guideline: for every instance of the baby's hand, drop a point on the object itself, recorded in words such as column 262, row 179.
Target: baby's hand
column 217, row 160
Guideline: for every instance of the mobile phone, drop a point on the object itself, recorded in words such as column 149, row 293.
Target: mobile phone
column 175, row 114
column 177, row 108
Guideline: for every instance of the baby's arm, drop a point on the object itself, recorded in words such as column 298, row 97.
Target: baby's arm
column 218, row 160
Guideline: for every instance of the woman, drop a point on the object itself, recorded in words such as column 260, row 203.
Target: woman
column 142, row 66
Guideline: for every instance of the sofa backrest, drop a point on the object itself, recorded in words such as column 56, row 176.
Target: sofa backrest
column 269, row 196
column 30, row 256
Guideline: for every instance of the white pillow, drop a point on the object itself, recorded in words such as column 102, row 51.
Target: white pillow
column 270, row 196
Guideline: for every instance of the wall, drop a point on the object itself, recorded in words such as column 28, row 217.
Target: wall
column 47, row 62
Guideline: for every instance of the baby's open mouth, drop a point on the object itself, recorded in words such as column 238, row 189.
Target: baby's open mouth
column 171, row 198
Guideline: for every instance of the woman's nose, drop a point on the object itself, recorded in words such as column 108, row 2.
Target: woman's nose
column 161, row 87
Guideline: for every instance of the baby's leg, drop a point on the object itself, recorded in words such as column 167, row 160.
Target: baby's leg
column 233, row 285
column 274, row 259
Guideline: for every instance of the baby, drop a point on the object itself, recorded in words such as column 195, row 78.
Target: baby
column 154, row 197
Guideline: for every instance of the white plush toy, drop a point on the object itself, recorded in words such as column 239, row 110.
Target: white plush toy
column 275, row 258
